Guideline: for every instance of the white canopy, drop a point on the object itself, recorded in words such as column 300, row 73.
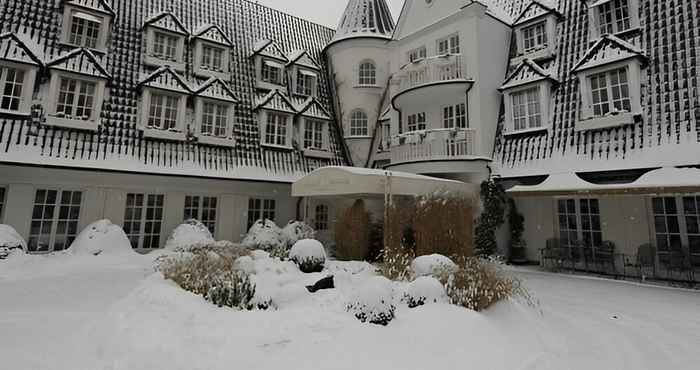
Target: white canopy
column 353, row 181
column 663, row 180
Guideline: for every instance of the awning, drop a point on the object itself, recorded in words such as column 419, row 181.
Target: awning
column 661, row 181
column 352, row 181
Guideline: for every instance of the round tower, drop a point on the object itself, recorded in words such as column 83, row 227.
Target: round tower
column 358, row 59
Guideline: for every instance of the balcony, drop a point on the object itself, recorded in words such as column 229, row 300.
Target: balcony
column 430, row 79
column 435, row 151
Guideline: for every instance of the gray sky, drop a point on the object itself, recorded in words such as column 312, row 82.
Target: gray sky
column 325, row 12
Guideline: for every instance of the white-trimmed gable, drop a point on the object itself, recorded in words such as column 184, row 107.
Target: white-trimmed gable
column 15, row 50
column 269, row 48
column 276, row 101
column 167, row 21
column 607, row 50
column 80, row 61
column 217, row 89
column 166, row 79
column 213, row 33
column 302, row 58
column 98, row 5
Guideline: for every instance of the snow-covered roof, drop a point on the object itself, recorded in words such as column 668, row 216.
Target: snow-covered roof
column 536, row 9
column 100, row 5
column 663, row 180
column 215, row 88
column 365, row 18
column 354, row 181
column 276, row 100
column 608, row 49
column 527, row 72
column 314, row 109
column 213, row 33
column 167, row 21
column 81, row 61
column 15, row 50
column 270, row 49
column 166, row 78
column 302, row 57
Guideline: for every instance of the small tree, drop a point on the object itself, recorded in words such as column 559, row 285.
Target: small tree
column 493, row 199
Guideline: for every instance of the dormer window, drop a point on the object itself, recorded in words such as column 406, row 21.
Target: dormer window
column 527, row 95
column 163, row 111
column 165, row 42
column 315, row 134
column 212, row 53
column 215, row 113
column 86, row 28
column 18, row 72
column 306, row 82
column 610, row 17
column 12, row 82
column 272, row 72
column 534, row 37
column 165, row 46
column 527, row 110
column 164, row 104
column 212, row 58
column 276, row 115
column 76, row 99
column 214, row 119
column 276, row 129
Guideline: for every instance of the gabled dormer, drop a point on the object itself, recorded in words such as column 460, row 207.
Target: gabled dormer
column 270, row 64
column 165, row 40
column 76, row 90
column 87, row 23
column 610, row 80
column 276, row 116
column 215, row 112
column 314, row 126
column 527, row 93
column 304, row 72
column 19, row 66
column 163, row 105
column 535, row 31
column 212, row 52
column 612, row 17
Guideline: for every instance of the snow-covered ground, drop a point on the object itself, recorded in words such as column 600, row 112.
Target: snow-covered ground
column 113, row 312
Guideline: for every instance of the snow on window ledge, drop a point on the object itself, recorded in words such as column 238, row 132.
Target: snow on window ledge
column 89, row 125
column 275, row 146
column 156, row 133
column 156, row 62
column 610, row 120
column 318, row 153
column 217, row 141
column 526, row 131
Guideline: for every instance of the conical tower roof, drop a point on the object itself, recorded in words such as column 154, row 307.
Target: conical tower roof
column 365, row 18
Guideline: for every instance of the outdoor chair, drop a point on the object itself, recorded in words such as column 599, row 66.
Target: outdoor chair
column 604, row 255
column 551, row 253
column 645, row 259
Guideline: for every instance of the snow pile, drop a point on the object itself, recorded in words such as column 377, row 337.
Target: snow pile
column 373, row 302
column 264, row 234
column 190, row 234
column 10, row 242
column 432, row 265
column 425, row 289
column 309, row 255
column 297, row 230
column 244, row 264
column 101, row 237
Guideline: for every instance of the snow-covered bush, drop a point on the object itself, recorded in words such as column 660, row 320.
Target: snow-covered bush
column 432, row 265
column 373, row 302
column 425, row 289
column 189, row 235
column 397, row 265
column 265, row 235
column 10, row 241
column 213, row 277
column 101, row 237
column 297, row 230
column 309, row 255
column 480, row 283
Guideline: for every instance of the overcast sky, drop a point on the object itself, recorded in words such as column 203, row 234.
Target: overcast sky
column 325, row 12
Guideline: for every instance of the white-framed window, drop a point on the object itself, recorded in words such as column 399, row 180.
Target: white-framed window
column 271, row 72
column 416, row 122
column 448, row 45
column 85, row 28
column 261, row 209
column 165, row 46
column 677, row 226
column 359, row 123
column 12, row 82
column 76, row 99
column 314, row 134
column 143, row 220
column 276, row 129
column 306, row 82
column 212, row 58
column 163, row 111
column 579, row 221
column 613, row 17
column 367, row 73
column 417, row 54
column 610, row 92
column 527, row 112
column 202, row 209
column 215, row 119
column 535, row 36
column 55, row 218
column 321, row 219
column 455, row 116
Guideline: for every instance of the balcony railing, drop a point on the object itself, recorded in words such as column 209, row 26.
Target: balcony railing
column 432, row 69
column 439, row 144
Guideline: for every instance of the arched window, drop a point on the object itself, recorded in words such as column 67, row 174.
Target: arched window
column 358, row 123
column 321, row 217
column 368, row 73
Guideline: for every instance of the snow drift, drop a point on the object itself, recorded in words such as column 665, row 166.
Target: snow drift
column 101, row 237
column 190, row 234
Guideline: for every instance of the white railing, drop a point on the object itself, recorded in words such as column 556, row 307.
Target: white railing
column 439, row 144
column 432, row 69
